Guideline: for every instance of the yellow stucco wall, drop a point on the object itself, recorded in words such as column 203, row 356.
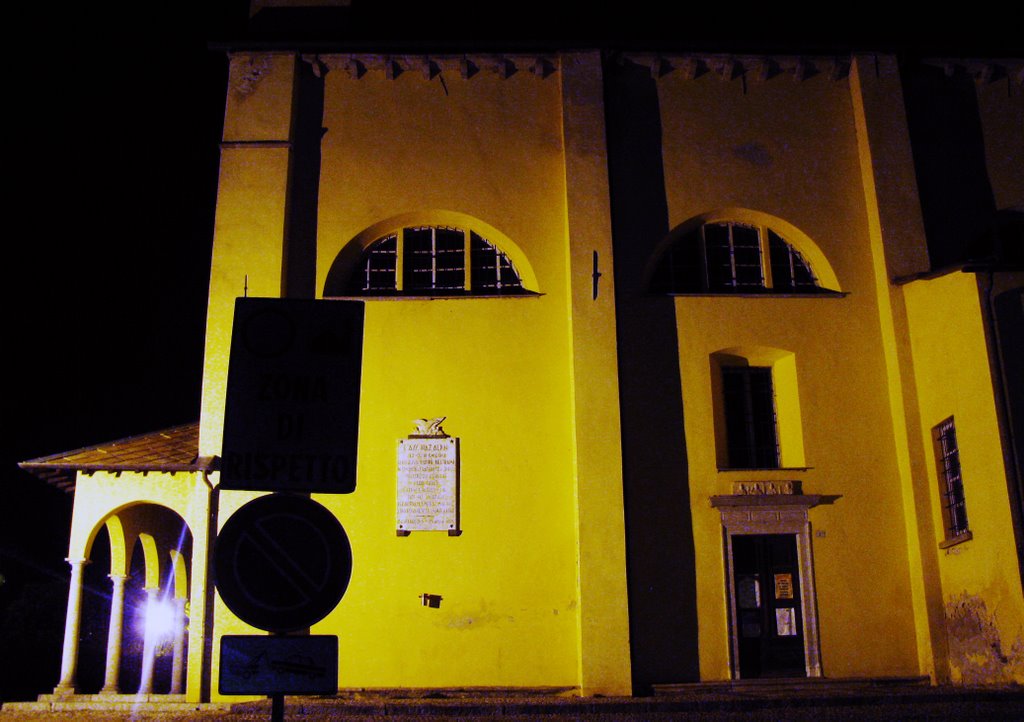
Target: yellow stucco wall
column 604, row 662
column 490, row 148
column 482, row 152
column 789, row 150
column 984, row 608
column 249, row 224
column 533, row 590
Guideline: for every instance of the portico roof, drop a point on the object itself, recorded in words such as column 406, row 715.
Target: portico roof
column 170, row 450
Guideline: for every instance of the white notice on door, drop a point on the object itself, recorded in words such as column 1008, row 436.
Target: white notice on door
column 785, row 622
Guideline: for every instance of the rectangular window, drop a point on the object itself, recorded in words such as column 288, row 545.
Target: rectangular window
column 954, row 507
column 750, row 428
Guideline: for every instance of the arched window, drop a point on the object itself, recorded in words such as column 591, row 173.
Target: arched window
column 434, row 261
column 733, row 257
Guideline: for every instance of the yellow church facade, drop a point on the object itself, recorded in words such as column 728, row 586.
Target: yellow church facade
column 719, row 412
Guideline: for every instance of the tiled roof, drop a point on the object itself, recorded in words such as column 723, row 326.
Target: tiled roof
column 174, row 449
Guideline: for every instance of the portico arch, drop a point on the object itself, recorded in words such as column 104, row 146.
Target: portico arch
column 150, row 550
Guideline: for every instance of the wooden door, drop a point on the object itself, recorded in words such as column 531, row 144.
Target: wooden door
column 769, row 618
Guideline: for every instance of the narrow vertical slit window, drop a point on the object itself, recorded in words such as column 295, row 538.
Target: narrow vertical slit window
column 954, row 503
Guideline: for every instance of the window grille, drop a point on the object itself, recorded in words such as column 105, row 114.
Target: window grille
column 750, row 421
column 790, row 271
column 379, row 263
column 733, row 254
column 954, row 505
column 432, row 260
column 730, row 257
column 492, row 272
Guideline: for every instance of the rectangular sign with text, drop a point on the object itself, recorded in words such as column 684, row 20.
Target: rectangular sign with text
column 291, row 418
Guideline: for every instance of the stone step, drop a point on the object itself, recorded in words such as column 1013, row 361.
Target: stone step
column 808, row 685
column 113, row 703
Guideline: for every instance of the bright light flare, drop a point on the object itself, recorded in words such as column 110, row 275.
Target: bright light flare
column 159, row 620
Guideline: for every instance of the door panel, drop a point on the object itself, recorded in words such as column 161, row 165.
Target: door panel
column 769, row 621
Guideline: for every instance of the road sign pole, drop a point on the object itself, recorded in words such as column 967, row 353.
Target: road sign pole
column 277, row 708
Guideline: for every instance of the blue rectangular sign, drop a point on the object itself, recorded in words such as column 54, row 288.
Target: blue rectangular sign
column 266, row 665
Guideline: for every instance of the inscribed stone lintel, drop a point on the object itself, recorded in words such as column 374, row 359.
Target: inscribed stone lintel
column 428, row 484
column 765, row 488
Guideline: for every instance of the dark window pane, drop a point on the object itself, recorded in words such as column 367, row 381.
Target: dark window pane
column 433, row 260
column 802, row 275
column 449, row 260
column 727, row 257
column 718, row 252
column 377, row 268
column 790, row 272
column 750, row 426
column 688, row 263
column 680, row 269
column 745, row 236
column 954, row 502
column 418, row 259
column 492, row 271
column 716, row 234
column 733, row 255
column 746, row 252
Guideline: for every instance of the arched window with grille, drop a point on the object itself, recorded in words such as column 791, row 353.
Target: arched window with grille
column 727, row 256
column 434, row 260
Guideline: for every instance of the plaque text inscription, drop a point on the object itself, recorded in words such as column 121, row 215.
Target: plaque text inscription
column 428, row 484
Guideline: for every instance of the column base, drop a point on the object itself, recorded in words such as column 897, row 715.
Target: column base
column 64, row 690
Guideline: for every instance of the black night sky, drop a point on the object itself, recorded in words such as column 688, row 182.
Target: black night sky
column 115, row 153
column 115, row 165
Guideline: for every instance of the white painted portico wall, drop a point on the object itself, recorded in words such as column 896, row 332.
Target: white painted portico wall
column 101, row 494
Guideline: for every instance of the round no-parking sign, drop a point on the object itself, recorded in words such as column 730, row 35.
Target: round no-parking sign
column 282, row 562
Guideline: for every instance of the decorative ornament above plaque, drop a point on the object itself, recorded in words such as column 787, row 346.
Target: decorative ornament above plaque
column 428, row 480
column 429, row 427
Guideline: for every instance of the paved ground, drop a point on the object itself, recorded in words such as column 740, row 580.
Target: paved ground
column 702, row 702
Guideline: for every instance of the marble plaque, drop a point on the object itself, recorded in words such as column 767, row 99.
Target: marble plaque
column 428, row 484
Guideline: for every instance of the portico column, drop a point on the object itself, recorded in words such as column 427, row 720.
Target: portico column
column 72, row 624
column 178, row 660
column 149, row 645
column 114, row 634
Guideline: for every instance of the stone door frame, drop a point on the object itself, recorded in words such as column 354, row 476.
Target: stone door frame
column 772, row 514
